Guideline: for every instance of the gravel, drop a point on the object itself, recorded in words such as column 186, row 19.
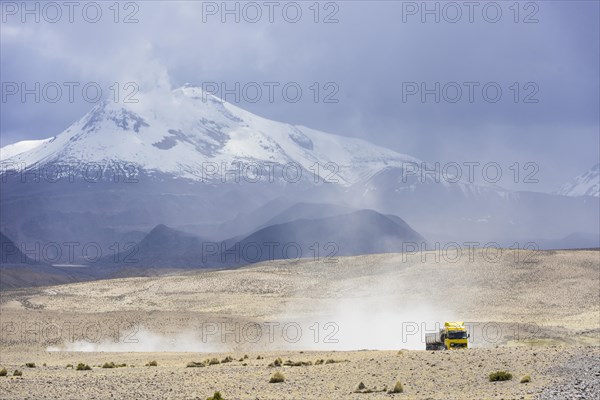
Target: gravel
column 582, row 382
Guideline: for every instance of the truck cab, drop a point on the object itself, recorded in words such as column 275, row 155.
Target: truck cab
column 455, row 336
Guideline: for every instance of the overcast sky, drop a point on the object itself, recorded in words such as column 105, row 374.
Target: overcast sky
column 374, row 57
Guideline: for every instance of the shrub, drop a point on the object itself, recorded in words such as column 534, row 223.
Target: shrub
column 290, row 363
column 109, row 365
column 30, row 365
column 398, row 388
column 83, row 367
column 152, row 363
column 259, row 357
column 44, row 364
column 332, row 361
column 362, row 388
column 216, row 396
column 227, row 359
column 526, row 379
column 277, row 378
column 277, row 363
column 69, row 366
column 3, row 372
column 17, row 373
column 194, row 364
column 319, row 362
column 500, row 376
column 214, row 361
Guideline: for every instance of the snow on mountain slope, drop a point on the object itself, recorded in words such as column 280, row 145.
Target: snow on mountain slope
column 14, row 149
column 587, row 184
column 179, row 132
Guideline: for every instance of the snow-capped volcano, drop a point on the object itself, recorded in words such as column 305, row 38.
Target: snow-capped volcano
column 178, row 133
column 586, row 184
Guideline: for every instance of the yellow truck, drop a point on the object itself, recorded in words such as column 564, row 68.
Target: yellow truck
column 452, row 336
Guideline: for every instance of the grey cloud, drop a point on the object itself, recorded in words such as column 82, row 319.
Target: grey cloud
column 368, row 54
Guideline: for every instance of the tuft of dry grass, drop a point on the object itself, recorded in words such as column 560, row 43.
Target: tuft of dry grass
column 500, row 376
column 398, row 388
column 332, row 361
column 277, row 377
column 277, row 363
column 194, row 364
column 83, row 367
column 525, row 379
column 290, row 363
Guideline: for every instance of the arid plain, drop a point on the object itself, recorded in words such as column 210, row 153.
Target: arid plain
column 336, row 325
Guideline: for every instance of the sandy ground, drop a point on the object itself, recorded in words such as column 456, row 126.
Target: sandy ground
column 530, row 314
column 436, row 375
